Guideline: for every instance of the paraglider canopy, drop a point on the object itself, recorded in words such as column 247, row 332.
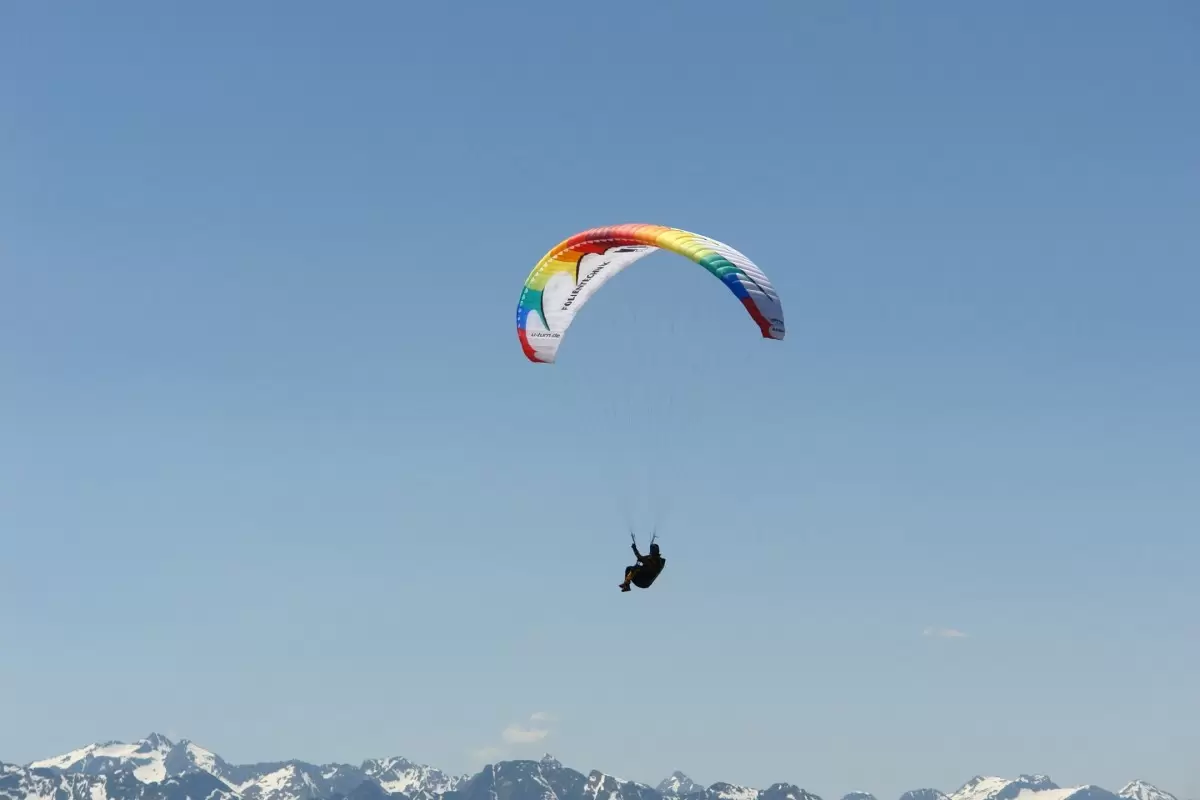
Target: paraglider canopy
column 573, row 271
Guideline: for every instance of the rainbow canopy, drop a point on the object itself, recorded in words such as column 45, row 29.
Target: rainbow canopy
column 567, row 277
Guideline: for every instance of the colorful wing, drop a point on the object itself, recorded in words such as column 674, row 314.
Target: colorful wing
column 567, row 277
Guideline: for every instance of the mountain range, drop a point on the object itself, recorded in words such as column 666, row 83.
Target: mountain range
column 156, row 768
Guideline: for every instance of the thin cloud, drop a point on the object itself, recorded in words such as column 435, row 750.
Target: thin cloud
column 517, row 734
column 535, row 729
column 944, row 633
column 487, row 753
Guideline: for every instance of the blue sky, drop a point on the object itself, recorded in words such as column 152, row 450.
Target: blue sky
column 270, row 453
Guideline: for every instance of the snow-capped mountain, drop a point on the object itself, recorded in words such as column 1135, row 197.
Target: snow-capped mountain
column 1140, row 790
column 401, row 776
column 122, row 771
column 785, row 791
column 609, row 787
column 729, row 791
column 1027, row 787
column 151, row 760
column 678, row 785
column 18, row 783
column 156, row 768
column 991, row 788
column 292, row 781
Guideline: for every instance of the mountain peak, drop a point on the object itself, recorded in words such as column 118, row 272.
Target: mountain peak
column 729, row 791
column 924, row 794
column 991, row 787
column 786, row 791
column 1144, row 790
column 156, row 741
column 678, row 785
column 550, row 761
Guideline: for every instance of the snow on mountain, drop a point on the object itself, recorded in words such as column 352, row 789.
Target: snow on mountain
column 156, row 758
column 185, row 756
column 547, row 780
column 785, row 791
column 145, row 757
column 992, row 788
column 508, row 780
column 729, row 791
column 602, row 787
column 401, row 776
column 1140, row 790
column 155, row 768
column 188, row 757
column 678, row 785
column 1028, row 787
column 1087, row 792
column 609, row 787
column 47, row 783
column 18, row 783
column 298, row 780
column 151, row 760
column 289, row 782
column 189, row 786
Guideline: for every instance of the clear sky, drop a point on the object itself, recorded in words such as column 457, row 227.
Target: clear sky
column 276, row 477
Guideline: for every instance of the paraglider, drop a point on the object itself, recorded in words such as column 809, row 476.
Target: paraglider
column 571, row 273
column 646, row 570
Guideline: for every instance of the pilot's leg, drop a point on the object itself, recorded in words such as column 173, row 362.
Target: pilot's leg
column 629, row 571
